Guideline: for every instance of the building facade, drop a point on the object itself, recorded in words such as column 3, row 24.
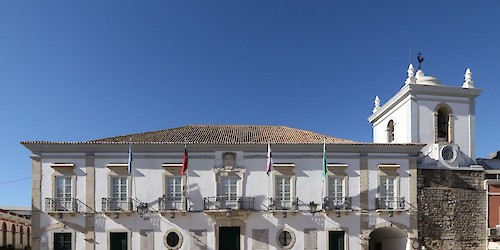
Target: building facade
column 226, row 200
column 492, row 186
column 15, row 230
column 321, row 192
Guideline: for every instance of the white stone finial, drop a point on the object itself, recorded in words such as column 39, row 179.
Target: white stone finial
column 411, row 75
column 468, row 83
column 420, row 73
column 377, row 104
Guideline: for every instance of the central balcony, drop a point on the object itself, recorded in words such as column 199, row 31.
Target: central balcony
column 228, row 203
column 283, row 203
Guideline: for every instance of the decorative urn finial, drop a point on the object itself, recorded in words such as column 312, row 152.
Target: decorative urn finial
column 377, row 104
column 411, row 75
column 468, row 83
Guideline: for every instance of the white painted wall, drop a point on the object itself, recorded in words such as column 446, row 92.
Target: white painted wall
column 401, row 115
column 149, row 185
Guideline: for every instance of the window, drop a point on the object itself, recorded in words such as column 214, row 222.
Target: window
column 229, row 192
column 283, row 194
column 336, row 197
column 390, row 131
column 119, row 193
column 13, row 231
column 336, row 188
column 388, row 196
column 174, row 199
column 174, row 188
column 21, row 235
column 443, row 124
column 4, row 234
column 63, row 193
column 286, row 239
column 172, row 239
column 62, row 241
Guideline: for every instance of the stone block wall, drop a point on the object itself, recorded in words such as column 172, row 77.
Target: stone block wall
column 451, row 209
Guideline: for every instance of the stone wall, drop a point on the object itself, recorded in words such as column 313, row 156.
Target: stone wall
column 451, row 209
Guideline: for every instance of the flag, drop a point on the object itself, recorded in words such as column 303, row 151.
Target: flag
column 185, row 162
column 129, row 167
column 269, row 159
column 325, row 164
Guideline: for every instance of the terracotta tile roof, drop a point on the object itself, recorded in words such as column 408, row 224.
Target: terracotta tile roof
column 226, row 134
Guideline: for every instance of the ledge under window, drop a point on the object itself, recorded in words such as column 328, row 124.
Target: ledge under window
column 117, row 165
column 336, row 165
column 62, row 165
column 171, row 165
column 388, row 166
column 285, row 165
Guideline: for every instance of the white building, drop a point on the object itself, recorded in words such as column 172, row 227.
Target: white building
column 85, row 198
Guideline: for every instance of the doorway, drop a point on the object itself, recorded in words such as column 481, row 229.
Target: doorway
column 388, row 238
column 336, row 240
column 229, row 238
column 118, row 241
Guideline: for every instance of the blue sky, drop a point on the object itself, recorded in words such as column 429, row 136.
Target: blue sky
column 82, row 70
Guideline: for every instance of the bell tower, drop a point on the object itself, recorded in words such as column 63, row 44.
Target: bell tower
column 425, row 111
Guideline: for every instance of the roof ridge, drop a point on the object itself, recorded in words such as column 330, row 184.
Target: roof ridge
column 225, row 134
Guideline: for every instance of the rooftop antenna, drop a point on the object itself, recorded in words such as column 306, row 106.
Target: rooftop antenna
column 420, row 59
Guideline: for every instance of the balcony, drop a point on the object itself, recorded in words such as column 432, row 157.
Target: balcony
column 283, row 203
column 228, row 203
column 390, row 203
column 172, row 205
column 337, row 203
column 117, row 205
column 65, row 206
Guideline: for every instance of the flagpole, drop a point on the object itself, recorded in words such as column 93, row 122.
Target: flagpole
column 131, row 170
column 324, row 170
column 185, row 170
column 269, row 165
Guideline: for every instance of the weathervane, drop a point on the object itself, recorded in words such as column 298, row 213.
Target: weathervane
column 420, row 59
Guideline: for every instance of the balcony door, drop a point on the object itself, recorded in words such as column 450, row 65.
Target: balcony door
column 119, row 193
column 229, row 238
column 388, row 192
column 229, row 192
column 173, row 194
column 283, row 192
column 336, row 192
column 64, row 193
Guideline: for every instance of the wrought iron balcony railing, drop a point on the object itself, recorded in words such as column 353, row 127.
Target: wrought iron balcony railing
column 70, row 205
column 117, row 204
column 337, row 203
column 390, row 202
column 228, row 203
column 172, row 203
column 283, row 203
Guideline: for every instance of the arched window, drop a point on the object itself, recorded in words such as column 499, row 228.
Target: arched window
column 28, row 236
column 13, row 235
column 443, row 124
column 21, row 235
column 4, row 234
column 390, row 131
